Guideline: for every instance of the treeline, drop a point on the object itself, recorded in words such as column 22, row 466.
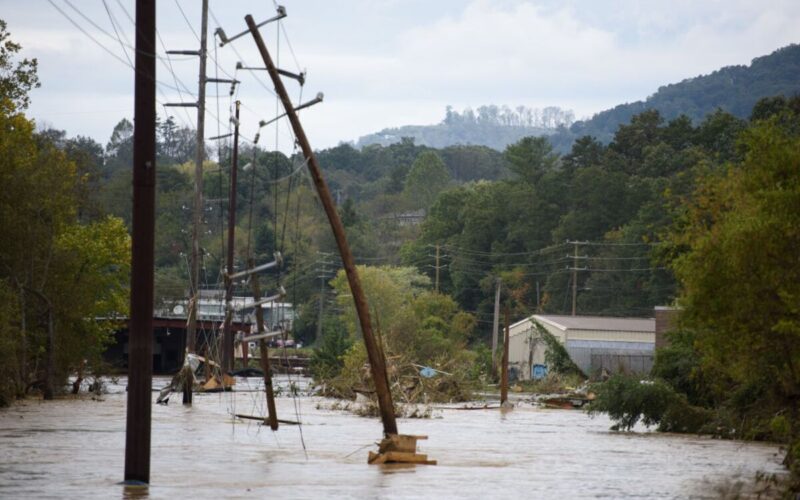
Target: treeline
column 63, row 264
column 732, row 366
column 492, row 126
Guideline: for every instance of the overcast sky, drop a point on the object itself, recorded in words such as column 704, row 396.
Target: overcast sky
column 384, row 63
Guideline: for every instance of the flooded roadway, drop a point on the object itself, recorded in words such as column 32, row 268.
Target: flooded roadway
column 75, row 449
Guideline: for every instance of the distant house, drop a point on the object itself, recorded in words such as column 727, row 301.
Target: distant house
column 594, row 343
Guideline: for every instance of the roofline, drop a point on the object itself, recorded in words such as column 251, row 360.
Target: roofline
column 538, row 317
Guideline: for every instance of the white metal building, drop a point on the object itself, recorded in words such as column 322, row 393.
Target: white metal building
column 594, row 343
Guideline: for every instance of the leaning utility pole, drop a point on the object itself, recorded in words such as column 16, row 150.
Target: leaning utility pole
column 140, row 347
column 272, row 415
column 374, row 351
column 227, row 335
column 495, row 327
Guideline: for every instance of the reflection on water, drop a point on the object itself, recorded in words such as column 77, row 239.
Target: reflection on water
column 75, row 449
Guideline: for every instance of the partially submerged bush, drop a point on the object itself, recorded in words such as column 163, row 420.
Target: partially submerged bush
column 627, row 400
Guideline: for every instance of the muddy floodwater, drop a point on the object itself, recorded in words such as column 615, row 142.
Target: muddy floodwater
column 75, row 449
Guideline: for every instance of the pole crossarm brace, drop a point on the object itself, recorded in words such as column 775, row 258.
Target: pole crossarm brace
column 222, row 80
column 316, row 100
column 224, row 40
column 181, row 104
column 266, row 300
column 223, row 136
column 260, row 336
column 300, row 77
column 184, row 52
column 247, row 272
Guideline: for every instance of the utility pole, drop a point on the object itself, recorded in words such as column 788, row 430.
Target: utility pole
column 374, row 351
column 227, row 335
column 198, row 209
column 140, row 347
column 575, row 279
column 504, row 376
column 272, row 415
column 437, row 268
column 495, row 327
column 322, row 277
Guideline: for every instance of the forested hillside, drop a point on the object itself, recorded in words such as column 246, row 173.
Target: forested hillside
column 734, row 89
column 492, row 126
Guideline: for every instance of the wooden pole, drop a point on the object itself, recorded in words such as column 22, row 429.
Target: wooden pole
column 272, row 415
column 504, row 376
column 227, row 334
column 198, row 209
column 140, row 347
column 437, row 269
column 575, row 280
column 374, row 353
column 495, row 328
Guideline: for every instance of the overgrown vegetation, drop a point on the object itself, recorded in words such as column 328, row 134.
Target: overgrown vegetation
column 60, row 268
column 556, row 356
column 731, row 368
column 417, row 329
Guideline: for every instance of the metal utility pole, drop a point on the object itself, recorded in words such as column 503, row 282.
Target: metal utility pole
column 227, row 335
column 495, row 327
column 272, row 415
column 140, row 347
column 575, row 279
column 504, row 376
column 374, row 351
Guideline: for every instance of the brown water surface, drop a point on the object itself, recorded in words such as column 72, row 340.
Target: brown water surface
column 75, row 449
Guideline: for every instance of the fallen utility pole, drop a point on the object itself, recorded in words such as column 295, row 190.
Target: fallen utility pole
column 374, row 351
column 272, row 415
column 227, row 335
column 140, row 347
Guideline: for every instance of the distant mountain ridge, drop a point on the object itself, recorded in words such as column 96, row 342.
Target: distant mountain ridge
column 734, row 89
column 493, row 126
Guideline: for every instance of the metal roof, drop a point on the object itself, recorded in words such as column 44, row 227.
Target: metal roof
column 602, row 323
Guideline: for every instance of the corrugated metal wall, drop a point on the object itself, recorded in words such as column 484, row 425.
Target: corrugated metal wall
column 594, row 356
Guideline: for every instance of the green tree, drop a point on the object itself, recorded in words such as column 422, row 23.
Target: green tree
column 531, row 158
column 426, row 179
column 16, row 79
column 740, row 277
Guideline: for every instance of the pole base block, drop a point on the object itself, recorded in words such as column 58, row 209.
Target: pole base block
column 399, row 449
